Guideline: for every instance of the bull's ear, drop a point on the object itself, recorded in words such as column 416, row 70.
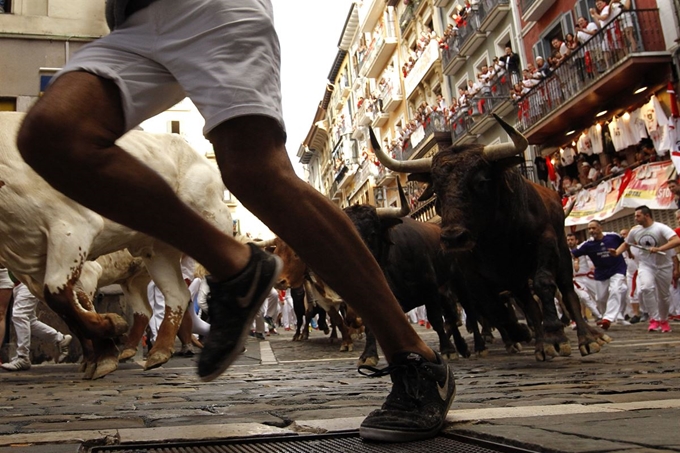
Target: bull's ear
column 427, row 193
column 508, row 162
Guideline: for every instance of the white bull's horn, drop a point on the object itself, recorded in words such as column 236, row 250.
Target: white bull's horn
column 395, row 212
column 503, row 150
column 422, row 165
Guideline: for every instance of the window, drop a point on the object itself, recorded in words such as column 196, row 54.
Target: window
column 6, row 6
column 174, row 127
column 558, row 29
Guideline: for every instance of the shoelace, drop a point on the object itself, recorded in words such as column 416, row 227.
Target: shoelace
column 411, row 374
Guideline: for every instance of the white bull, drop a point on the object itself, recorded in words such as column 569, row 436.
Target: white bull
column 46, row 239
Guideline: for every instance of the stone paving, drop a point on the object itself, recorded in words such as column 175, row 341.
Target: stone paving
column 626, row 398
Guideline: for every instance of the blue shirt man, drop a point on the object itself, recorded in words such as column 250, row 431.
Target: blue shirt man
column 610, row 271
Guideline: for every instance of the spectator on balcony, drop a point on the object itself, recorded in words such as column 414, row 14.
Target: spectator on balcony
column 528, row 80
column 562, row 50
column 571, row 42
column 441, row 103
column 518, row 90
column 603, row 14
column 617, row 166
column 585, row 30
column 462, row 98
column 542, row 67
column 499, row 67
column 511, row 61
column 621, row 9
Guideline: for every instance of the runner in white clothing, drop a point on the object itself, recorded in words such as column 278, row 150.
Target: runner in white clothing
column 584, row 280
column 653, row 242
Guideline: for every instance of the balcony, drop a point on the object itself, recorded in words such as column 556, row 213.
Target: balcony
column 408, row 15
column 494, row 12
column 379, row 52
column 391, row 97
column 471, row 37
column 425, row 211
column 423, row 136
column 532, row 10
column 380, row 119
column 369, row 14
column 429, row 56
column 591, row 80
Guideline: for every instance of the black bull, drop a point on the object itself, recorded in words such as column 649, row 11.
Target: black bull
column 416, row 269
column 505, row 233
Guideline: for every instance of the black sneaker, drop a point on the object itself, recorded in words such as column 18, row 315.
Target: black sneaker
column 416, row 408
column 634, row 320
column 232, row 306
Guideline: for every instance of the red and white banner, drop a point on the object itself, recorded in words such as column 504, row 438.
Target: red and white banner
column 645, row 185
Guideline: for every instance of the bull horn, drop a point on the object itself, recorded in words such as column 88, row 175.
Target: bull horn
column 265, row 243
column 422, row 165
column 395, row 212
column 504, row 150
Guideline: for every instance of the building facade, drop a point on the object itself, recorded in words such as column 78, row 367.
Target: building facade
column 401, row 66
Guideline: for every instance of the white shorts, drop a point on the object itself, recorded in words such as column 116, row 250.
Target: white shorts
column 5, row 281
column 223, row 54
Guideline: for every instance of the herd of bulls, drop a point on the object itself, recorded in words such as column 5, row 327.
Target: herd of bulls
column 500, row 246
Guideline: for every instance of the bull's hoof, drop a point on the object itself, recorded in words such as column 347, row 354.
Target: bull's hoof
column 156, row 359
column 514, row 348
column 82, row 367
column 606, row 338
column 368, row 361
column 550, row 350
column 481, row 354
column 450, row 355
column 89, row 371
column 120, row 326
column 127, row 353
column 297, row 337
column 326, row 331
column 488, row 339
column 590, row 348
column 105, row 366
column 196, row 342
column 186, row 351
column 540, row 356
column 564, row 349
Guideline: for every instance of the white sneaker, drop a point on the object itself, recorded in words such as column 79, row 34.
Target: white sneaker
column 18, row 364
column 63, row 348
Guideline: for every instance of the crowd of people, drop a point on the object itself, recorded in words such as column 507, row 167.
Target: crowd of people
column 631, row 276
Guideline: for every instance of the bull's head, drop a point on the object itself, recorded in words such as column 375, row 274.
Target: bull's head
column 293, row 271
column 469, row 182
column 373, row 223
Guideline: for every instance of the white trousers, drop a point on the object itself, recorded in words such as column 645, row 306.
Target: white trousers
column 675, row 300
column 26, row 323
column 654, row 284
column 287, row 311
column 157, row 302
column 610, row 296
column 586, row 289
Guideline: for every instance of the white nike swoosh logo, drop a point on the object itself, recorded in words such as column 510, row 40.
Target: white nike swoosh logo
column 444, row 389
column 243, row 301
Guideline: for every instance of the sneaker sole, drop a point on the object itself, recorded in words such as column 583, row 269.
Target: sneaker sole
column 386, row 435
column 240, row 346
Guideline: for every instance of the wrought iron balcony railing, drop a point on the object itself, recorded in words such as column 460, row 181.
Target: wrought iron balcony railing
column 629, row 33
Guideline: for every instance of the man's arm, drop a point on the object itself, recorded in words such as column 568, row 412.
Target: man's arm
column 672, row 242
column 620, row 249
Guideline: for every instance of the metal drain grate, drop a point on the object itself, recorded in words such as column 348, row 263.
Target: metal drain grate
column 336, row 443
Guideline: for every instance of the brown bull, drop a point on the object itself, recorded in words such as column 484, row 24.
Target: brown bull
column 506, row 234
column 295, row 274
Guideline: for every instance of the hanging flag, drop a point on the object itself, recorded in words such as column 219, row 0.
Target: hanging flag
column 673, row 100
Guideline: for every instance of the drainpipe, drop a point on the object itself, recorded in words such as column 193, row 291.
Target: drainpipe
column 518, row 45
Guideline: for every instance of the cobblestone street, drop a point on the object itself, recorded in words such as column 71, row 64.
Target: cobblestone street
column 626, row 398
